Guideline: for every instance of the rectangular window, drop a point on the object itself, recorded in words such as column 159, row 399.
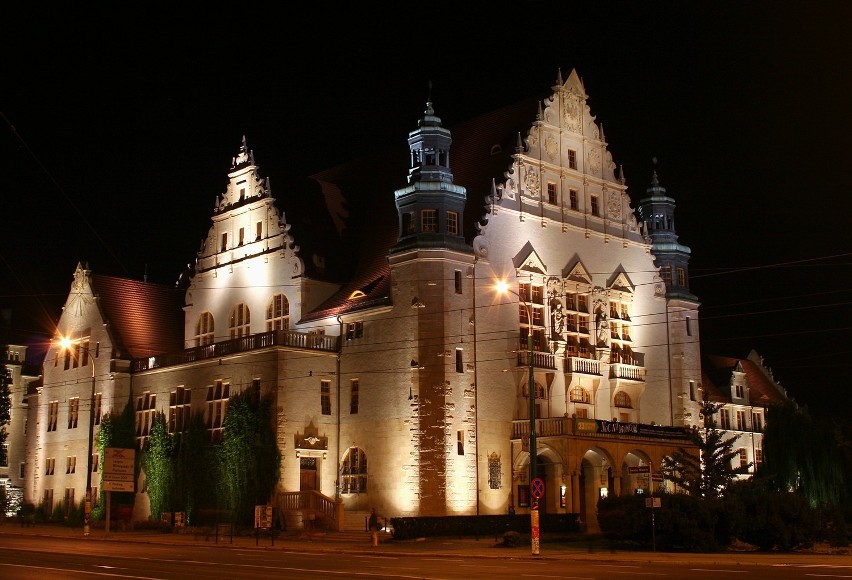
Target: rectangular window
column 4, row 455
column 691, row 390
column 52, row 415
column 354, row 387
column 98, row 411
column 47, row 502
column 595, row 209
column 71, row 464
column 460, row 442
column 681, row 277
column 325, row 397
column 739, row 391
column 756, row 422
column 688, row 326
column 408, row 223
column 144, row 418
column 574, row 196
column 458, row 281
column 582, row 413
column 258, row 231
column 551, row 194
column 179, row 410
column 758, row 457
column 741, row 421
column 50, row 466
column 429, row 220
column 242, row 236
column 666, row 275
column 96, row 462
column 523, row 495
column 743, row 457
column 21, row 470
column 218, row 395
column 572, row 159
column 725, row 418
column 452, row 223
column 224, row 242
column 459, row 361
column 354, row 330
column 73, row 412
column 68, row 504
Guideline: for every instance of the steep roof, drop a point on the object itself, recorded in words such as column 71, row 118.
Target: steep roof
column 145, row 319
column 716, row 377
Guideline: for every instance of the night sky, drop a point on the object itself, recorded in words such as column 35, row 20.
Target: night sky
column 117, row 135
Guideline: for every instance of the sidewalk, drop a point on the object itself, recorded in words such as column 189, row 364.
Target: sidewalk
column 484, row 547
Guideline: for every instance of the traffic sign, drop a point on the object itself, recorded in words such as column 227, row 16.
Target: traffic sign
column 639, row 469
column 657, row 477
column 537, row 488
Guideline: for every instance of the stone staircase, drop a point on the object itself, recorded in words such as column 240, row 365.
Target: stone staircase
column 354, row 529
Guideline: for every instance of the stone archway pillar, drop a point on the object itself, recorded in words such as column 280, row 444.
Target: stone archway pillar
column 575, row 492
column 616, row 484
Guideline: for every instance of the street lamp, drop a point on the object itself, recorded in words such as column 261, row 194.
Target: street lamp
column 503, row 288
column 65, row 343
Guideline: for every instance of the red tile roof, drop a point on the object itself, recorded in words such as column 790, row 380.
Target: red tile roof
column 145, row 319
column 716, row 378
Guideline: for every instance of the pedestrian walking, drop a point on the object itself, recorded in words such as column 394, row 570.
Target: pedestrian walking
column 373, row 524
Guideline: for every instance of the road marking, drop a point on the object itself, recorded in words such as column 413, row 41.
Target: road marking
column 718, row 570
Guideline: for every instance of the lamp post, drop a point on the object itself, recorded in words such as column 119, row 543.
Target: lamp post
column 65, row 343
column 502, row 287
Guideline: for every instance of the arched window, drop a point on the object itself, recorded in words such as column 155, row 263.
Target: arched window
column 204, row 329
column 622, row 399
column 278, row 313
column 580, row 395
column 240, row 322
column 353, row 475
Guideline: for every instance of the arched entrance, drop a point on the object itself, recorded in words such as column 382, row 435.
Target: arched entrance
column 596, row 481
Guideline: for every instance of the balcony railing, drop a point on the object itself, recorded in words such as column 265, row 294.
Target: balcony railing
column 587, row 366
column 625, row 371
column 541, row 360
column 288, row 338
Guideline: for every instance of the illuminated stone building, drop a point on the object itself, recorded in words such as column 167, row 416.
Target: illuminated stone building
column 403, row 385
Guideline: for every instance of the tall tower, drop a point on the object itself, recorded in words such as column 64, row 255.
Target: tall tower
column 432, row 296
column 656, row 211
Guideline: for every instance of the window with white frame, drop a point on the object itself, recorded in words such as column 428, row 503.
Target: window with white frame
column 73, row 412
column 71, row 464
column 204, row 330
column 278, row 313
column 179, row 410
column 146, row 408
column 725, row 418
column 741, row 420
column 218, row 395
column 52, row 415
column 240, row 321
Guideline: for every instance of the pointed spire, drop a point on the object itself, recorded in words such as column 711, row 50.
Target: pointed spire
column 655, row 182
column 539, row 114
column 559, row 81
column 519, row 147
column 621, row 179
column 603, row 137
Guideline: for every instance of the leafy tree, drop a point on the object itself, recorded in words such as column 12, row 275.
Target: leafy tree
column 115, row 430
column 158, row 462
column 249, row 458
column 804, row 455
column 710, row 472
column 195, row 470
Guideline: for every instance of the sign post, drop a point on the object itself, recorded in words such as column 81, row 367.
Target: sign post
column 119, row 469
column 537, row 492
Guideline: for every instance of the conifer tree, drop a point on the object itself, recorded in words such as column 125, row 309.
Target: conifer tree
column 711, row 471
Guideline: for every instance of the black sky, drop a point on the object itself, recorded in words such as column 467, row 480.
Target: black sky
column 118, row 134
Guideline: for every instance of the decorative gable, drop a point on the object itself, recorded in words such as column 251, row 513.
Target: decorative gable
column 531, row 262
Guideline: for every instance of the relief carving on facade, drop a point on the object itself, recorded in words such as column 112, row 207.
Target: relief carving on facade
column 571, row 111
column 594, row 161
column 532, row 183
column 614, row 205
column 551, row 147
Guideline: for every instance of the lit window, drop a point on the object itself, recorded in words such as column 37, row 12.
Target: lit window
column 551, row 194
column 52, row 415
column 622, row 399
column 146, row 409
column 580, row 395
column 179, row 410
column 574, row 197
column 354, row 330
